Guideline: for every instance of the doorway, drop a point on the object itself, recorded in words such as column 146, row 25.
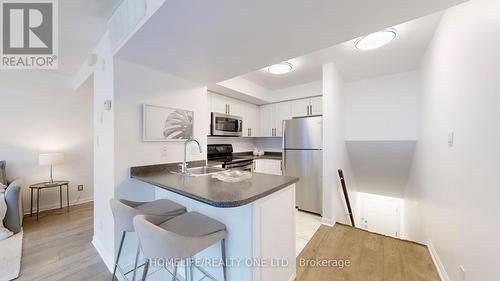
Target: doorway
column 380, row 214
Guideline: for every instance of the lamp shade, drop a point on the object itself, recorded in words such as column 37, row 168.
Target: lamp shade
column 46, row 159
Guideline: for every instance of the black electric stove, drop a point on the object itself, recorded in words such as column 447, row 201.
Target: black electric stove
column 222, row 154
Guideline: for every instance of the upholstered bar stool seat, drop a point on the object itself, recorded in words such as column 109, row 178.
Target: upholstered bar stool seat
column 124, row 212
column 180, row 239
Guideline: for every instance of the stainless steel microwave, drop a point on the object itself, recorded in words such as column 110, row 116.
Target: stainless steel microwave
column 226, row 125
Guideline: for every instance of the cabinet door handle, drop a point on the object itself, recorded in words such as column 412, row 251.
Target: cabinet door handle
column 311, row 109
column 249, row 132
column 228, row 109
column 308, row 110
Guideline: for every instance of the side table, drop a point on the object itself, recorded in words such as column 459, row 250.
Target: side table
column 43, row 185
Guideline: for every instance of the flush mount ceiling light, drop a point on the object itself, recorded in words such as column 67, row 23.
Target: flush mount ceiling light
column 376, row 40
column 280, row 68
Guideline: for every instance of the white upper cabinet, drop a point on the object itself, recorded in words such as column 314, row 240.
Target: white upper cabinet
column 218, row 103
column 300, row 107
column 235, row 107
column 225, row 105
column 272, row 117
column 267, row 120
column 283, row 112
column 317, row 106
column 307, row 107
column 251, row 120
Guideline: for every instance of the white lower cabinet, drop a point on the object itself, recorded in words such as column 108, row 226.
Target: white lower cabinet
column 267, row 166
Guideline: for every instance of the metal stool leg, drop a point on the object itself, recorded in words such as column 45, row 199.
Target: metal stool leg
column 136, row 261
column 224, row 265
column 118, row 255
column 145, row 273
column 174, row 278
column 188, row 269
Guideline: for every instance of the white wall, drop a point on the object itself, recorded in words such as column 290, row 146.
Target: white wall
column 104, row 183
column 383, row 108
column 134, row 86
column 334, row 148
column 455, row 190
column 41, row 113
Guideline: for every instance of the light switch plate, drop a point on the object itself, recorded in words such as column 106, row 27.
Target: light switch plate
column 451, row 139
column 80, row 187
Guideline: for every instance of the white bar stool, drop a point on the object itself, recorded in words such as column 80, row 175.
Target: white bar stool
column 124, row 212
column 180, row 239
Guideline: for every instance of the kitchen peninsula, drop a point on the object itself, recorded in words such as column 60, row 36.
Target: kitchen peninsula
column 259, row 214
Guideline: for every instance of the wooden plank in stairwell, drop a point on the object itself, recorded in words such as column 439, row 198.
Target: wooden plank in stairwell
column 374, row 257
column 315, row 250
column 393, row 263
column 418, row 265
column 372, row 254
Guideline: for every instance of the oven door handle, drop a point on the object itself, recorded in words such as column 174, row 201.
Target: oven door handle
column 239, row 166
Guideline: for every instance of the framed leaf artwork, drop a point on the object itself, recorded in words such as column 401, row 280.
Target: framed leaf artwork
column 166, row 124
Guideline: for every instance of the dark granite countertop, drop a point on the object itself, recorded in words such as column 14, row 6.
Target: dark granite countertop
column 209, row 190
column 267, row 155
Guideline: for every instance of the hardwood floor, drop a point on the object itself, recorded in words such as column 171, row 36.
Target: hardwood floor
column 372, row 257
column 58, row 246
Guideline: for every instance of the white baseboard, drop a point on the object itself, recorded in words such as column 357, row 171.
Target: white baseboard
column 57, row 205
column 108, row 261
column 437, row 262
column 327, row 222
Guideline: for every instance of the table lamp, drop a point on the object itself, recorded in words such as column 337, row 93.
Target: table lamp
column 46, row 159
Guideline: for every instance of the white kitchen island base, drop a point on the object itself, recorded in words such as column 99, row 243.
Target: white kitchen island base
column 260, row 245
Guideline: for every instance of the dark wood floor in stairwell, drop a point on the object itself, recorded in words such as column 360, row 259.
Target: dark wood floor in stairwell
column 373, row 257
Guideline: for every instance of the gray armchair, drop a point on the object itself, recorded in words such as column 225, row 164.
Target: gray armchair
column 14, row 217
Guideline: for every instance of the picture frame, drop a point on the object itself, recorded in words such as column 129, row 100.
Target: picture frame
column 164, row 124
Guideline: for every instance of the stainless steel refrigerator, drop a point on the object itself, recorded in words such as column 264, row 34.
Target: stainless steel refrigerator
column 303, row 158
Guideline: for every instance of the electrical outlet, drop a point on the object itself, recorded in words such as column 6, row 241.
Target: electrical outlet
column 461, row 273
column 164, row 149
column 80, row 187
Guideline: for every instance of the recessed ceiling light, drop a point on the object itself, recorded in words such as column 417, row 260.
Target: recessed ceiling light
column 280, row 68
column 376, row 40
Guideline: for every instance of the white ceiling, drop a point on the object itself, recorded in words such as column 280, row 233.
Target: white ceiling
column 211, row 41
column 81, row 24
column 403, row 54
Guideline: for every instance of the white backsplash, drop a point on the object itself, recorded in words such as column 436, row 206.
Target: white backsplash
column 248, row 144
column 239, row 144
column 270, row 144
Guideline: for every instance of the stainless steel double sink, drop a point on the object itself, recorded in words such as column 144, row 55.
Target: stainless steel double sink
column 200, row 171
